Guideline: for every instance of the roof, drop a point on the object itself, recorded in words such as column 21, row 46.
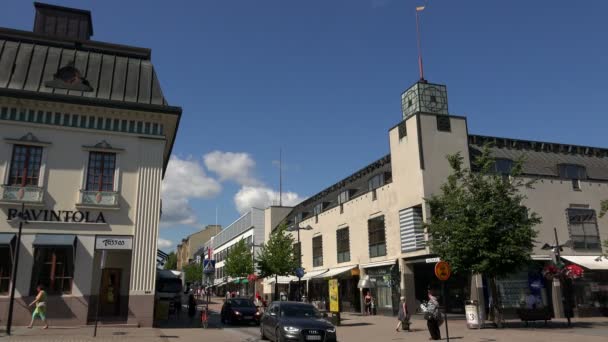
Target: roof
column 356, row 184
column 543, row 158
column 120, row 76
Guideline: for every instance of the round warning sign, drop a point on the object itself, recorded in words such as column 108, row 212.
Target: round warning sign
column 442, row 271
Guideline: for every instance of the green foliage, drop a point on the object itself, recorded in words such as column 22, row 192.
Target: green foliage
column 239, row 262
column 479, row 223
column 604, row 208
column 277, row 257
column 193, row 272
column 171, row 263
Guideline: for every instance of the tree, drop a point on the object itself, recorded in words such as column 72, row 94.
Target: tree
column 171, row 262
column 479, row 223
column 193, row 272
column 239, row 262
column 277, row 257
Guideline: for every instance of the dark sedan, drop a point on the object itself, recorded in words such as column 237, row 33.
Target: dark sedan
column 295, row 321
column 240, row 310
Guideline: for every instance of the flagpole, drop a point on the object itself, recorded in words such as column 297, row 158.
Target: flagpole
column 420, row 67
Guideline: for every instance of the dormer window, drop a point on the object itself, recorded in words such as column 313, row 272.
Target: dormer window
column 503, row 166
column 68, row 77
column 344, row 197
column 376, row 182
column 318, row 209
column 576, row 173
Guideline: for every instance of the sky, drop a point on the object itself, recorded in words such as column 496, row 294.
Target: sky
column 320, row 81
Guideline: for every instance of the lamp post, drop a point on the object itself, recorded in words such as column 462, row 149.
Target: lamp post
column 9, row 321
column 298, row 228
column 557, row 288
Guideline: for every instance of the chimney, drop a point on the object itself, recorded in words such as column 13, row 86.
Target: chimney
column 62, row 22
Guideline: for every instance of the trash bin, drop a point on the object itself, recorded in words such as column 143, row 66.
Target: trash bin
column 471, row 310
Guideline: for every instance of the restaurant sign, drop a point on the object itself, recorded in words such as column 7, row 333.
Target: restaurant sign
column 66, row 216
column 113, row 242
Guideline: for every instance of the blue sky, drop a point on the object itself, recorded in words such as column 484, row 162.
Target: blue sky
column 321, row 80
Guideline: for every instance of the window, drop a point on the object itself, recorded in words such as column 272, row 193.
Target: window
column 377, row 237
column 54, row 269
column 402, row 127
column 376, row 182
column 344, row 197
column 570, row 171
column 503, row 166
column 582, row 224
column 25, row 165
column 317, row 251
column 443, row 123
column 5, row 269
column 318, row 209
column 100, row 176
column 343, row 244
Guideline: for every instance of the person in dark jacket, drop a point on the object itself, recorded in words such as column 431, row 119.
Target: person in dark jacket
column 433, row 317
column 191, row 305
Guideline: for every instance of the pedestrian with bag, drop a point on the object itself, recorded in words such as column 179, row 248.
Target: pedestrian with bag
column 433, row 316
column 403, row 318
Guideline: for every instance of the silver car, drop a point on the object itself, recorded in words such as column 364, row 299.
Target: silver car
column 295, row 321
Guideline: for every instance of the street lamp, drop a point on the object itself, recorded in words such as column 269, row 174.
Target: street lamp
column 297, row 228
column 556, row 249
column 21, row 220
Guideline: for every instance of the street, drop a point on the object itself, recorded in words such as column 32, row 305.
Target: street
column 354, row 328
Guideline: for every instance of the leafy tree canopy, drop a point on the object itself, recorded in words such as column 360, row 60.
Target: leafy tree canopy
column 277, row 257
column 171, row 262
column 239, row 262
column 479, row 223
column 193, row 272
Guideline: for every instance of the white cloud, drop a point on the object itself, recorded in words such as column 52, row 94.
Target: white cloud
column 262, row 197
column 185, row 179
column 237, row 167
column 165, row 244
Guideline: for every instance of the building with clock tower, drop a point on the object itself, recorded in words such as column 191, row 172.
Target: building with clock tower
column 367, row 230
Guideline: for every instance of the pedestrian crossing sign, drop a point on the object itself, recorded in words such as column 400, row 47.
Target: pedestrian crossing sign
column 208, row 266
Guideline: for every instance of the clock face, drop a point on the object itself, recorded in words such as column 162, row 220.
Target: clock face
column 409, row 101
column 433, row 99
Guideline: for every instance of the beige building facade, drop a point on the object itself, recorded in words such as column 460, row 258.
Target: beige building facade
column 86, row 138
column 188, row 248
column 367, row 229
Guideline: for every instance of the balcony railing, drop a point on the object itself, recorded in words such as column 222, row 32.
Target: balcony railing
column 17, row 193
column 99, row 198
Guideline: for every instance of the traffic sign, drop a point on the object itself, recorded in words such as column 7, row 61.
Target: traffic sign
column 442, row 270
column 208, row 266
column 299, row 272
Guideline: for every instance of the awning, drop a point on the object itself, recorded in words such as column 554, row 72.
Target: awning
column 6, row 238
column 379, row 264
column 314, row 274
column 336, row 271
column 592, row 262
column 281, row 279
column 53, row 240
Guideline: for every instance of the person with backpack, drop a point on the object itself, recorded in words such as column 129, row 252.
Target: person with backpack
column 433, row 316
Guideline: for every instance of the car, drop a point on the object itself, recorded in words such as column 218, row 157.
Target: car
column 295, row 321
column 240, row 310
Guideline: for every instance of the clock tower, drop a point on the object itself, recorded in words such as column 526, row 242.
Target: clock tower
column 426, row 98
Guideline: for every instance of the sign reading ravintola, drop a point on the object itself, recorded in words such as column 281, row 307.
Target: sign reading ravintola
column 67, row 216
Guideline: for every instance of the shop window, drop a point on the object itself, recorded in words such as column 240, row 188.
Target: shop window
column 54, row 269
column 317, row 251
column 5, row 269
column 25, row 165
column 377, row 237
column 582, row 224
column 100, row 175
column 343, row 244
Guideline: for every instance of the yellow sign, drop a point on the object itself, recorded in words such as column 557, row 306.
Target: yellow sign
column 333, row 296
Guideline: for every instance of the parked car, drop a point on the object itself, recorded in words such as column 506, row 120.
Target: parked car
column 240, row 310
column 295, row 321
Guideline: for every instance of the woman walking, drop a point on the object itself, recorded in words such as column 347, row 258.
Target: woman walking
column 433, row 317
column 40, row 309
column 403, row 319
column 368, row 303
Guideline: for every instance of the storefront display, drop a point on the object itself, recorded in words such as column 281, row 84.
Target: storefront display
column 385, row 290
